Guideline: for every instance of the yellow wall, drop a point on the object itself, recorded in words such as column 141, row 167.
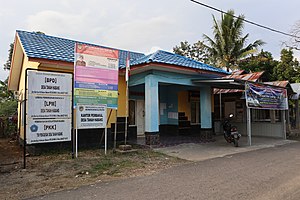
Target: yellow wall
column 122, row 97
column 26, row 64
column 184, row 104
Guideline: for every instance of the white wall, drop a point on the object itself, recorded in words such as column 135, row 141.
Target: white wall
column 265, row 129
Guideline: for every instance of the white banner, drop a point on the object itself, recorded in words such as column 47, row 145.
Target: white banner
column 48, row 130
column 49, row 83
column 97, row 61
column 91, row 116
column 49, row 106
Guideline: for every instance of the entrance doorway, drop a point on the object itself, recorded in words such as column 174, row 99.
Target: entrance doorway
column 140, row 117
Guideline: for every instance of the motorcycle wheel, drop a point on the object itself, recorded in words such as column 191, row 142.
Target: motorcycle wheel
column 227, row 139
column 235, row 142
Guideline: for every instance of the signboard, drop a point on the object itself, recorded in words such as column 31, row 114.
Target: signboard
column 91, row 116
column 265, row 97
column 48, row 130
column 49, row 107
column 96, row 75
column 49, row 83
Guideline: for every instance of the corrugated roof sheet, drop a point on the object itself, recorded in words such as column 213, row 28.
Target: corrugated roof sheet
column 175, row 59
column 54, row 48
column 238, row 72
column 247, row 77
column 278, row 83
column 254, row 77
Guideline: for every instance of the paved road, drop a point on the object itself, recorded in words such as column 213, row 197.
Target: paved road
column 272, row 173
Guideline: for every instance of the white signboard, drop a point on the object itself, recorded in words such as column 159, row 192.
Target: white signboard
column 91, row 116
column 48, row 130
column 49, row 83
column 49, row 106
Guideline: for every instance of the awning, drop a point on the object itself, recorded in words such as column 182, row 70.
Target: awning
column 222, row 83
column 231, row 83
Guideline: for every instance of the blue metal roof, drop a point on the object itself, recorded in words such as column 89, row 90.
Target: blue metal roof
column 54, row 48
column 175, row 59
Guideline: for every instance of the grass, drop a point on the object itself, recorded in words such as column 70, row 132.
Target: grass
column 114, row 164
column 94, row 162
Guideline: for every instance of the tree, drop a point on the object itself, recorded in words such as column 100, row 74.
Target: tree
column 7, row 65
column 196, row 51
column 228, row 45
column 288, row 68
column 263, row 61
column 5, row 94
column 8, row 104
column 294, row 42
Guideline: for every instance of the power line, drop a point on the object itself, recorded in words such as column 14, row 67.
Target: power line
column 245, row 20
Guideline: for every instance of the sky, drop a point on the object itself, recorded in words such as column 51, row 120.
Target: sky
column 141, row 25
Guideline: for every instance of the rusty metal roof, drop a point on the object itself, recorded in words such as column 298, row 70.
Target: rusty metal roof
column 278, row 83
column 239, row 72
column 253, row 77
column 284, row 84
column 218, row 91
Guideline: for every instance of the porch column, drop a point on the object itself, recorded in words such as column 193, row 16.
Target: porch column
column 151, row 110
column 205, row 108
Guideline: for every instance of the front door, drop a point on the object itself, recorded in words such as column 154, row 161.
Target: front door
column 140, row 117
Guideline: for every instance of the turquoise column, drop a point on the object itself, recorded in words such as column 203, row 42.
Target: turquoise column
column 151, row 110
column 205, row 107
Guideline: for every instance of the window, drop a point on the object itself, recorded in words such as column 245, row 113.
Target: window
column 266, row 115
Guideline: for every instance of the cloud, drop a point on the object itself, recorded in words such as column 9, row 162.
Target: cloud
column 57, row 23
column 153, row 49
column 143, row 34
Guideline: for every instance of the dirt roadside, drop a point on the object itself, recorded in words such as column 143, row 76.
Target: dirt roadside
column 57, row 171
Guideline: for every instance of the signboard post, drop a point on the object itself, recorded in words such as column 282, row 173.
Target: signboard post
column 96, row 81
column 89, row 116
column 48, row 109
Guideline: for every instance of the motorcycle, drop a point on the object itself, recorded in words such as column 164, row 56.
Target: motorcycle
column 231, row 134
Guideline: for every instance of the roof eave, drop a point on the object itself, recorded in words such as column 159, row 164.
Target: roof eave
column 178, row 68
column 14, row 74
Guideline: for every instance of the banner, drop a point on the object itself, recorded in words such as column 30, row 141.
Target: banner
column 91, row 116
column 265, row 97
column 49, row 107
column 96, row 75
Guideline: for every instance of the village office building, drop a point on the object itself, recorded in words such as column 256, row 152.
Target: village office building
column 164, row 97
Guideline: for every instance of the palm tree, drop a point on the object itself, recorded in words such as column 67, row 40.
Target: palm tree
column 228, row 45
